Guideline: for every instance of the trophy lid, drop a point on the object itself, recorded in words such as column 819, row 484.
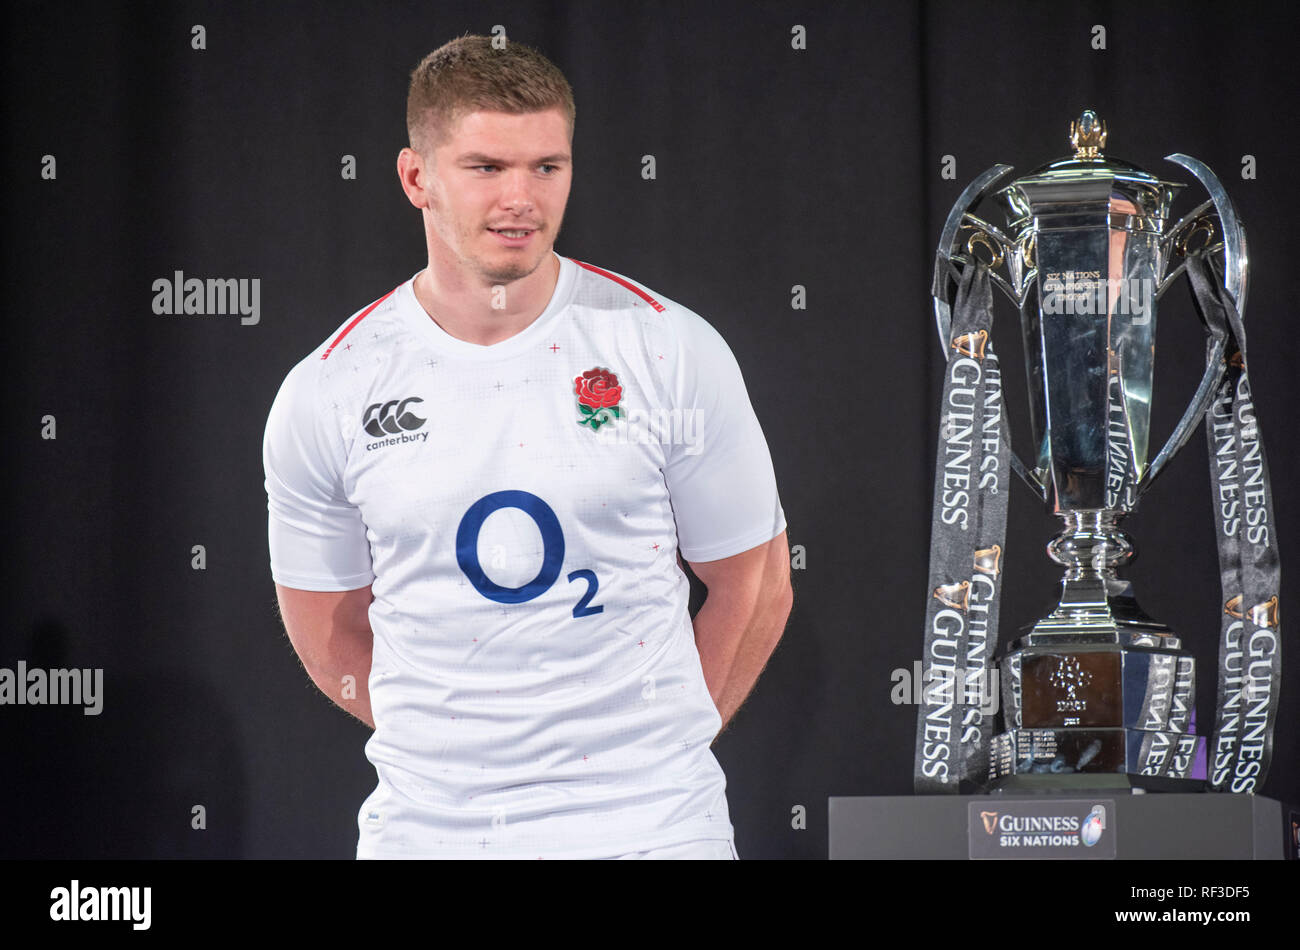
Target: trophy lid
column 1087, row 184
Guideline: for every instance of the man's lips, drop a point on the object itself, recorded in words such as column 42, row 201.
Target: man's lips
column 516, row 236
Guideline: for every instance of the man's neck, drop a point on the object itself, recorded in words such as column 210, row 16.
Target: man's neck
column 484, row 315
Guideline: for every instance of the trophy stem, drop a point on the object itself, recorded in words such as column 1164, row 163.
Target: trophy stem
column 1096, row 603
column 1092, row 547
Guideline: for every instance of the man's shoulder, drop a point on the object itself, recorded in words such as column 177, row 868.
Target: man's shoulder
column 604, row 289
column 601, row 286
column 377, row 316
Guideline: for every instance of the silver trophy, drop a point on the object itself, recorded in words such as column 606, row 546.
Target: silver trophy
column 1096, row 694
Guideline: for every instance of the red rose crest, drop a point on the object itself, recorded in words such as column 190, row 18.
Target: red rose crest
column 598, row 397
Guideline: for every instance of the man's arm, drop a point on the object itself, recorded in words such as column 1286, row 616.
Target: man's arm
column 742, row 619
column 330, row 631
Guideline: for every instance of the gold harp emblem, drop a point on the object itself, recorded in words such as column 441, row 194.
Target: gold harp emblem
column 954, row 595
column 988, row 560
column 971, row 344
column 1265, row 614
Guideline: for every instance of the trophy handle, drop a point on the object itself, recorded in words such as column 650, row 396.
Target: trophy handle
column 957, row 217
column 1178, row 235
column 1196, row 409
column 1235, row 273
column 972, row 196
column 1235, row 262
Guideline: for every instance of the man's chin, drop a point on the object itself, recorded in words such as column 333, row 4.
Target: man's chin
column 506, row 272
column 507, row 275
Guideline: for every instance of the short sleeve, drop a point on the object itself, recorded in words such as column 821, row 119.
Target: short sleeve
column 317, row 538
column 720, row 481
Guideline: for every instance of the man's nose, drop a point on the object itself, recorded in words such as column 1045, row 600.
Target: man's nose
column 517, row 195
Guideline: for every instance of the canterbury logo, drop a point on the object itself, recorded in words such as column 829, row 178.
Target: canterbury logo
column 390, row 418
column 971, row 344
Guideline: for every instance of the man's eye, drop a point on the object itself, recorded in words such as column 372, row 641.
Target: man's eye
column 490, row 168
column 549, row 169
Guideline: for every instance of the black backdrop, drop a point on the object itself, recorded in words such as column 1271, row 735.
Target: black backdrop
column 776, row 167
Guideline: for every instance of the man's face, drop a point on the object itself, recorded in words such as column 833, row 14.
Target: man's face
column 497, row 189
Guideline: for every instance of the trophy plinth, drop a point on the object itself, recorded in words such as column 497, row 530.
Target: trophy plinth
column 1035, row 760
column 1097, row 715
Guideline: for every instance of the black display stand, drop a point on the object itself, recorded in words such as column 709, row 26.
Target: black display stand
column 1146, row 826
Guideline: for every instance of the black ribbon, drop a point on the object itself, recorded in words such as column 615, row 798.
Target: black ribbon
column 1250, row 656
column 955, row 721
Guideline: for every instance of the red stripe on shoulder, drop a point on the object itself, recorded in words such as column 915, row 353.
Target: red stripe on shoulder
column 619, row 280
column 355, row 320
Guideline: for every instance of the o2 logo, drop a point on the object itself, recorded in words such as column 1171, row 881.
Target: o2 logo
column 552, row 552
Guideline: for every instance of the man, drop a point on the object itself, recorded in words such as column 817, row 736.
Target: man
column 478, row 488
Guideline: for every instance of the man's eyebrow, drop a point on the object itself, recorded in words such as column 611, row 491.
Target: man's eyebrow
column 478, row 158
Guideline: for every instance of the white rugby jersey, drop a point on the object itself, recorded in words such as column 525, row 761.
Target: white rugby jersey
column 535, row 685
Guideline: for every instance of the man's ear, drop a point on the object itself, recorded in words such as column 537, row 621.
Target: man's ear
column 412, row 173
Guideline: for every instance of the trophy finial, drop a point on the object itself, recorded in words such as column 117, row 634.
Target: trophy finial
column 1088, row 135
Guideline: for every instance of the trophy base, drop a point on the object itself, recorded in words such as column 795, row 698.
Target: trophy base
column 1096, row 609
column 1066, row 684
column 1103, row 758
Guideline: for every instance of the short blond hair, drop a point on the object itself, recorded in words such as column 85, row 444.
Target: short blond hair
column 468, row 75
